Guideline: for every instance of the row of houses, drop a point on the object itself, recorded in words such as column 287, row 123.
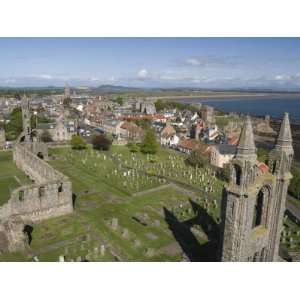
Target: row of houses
column 219, row 154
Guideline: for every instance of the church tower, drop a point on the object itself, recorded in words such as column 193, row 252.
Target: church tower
column 26, row 118
column 67, row 91
column 280, row 161
column 254, row 199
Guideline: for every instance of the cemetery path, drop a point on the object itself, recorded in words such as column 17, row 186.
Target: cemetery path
column 161, row 187
column 158, row 188
column 294, row 210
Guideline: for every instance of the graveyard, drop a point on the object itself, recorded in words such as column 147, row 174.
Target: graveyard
column 132, row 207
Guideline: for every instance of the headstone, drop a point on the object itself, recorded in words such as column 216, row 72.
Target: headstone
column 149, row 252
column 61, row 258
column 125, row 233
column 137, row 243
column 114, row 224
column 156, row 223
column 102, row 250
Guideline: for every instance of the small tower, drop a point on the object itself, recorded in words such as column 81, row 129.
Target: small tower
column 67, row 91
column 280, row 161
column 26, row 117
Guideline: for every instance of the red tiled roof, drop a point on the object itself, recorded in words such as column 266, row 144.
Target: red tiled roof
column 191, row 144
column 262, row 167
column 168, row 131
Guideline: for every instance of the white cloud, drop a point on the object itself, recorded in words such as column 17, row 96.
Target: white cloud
column 142, row 74
column 194, row 62
column 10, row 80
column 94, row 79
column 45, row 76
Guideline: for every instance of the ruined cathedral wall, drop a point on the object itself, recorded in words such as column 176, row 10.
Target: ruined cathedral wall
column 50, row 196
column 39, row 202
column 33, row 166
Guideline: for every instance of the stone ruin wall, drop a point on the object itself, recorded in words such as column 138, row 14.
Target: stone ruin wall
column 49, row 196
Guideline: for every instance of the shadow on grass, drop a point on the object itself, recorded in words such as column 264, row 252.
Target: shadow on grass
column 187, row 240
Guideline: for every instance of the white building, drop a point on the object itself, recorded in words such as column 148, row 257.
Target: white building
column 222, row 154
column 168, row 136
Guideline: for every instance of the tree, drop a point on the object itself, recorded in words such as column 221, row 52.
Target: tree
column 67, row 101
column 294, row 187
column 262, row 155
column 46, row 136
column 149, row 144
column 15, row 126
column 77, row 142
column 196, row 158
column 119, row 100
column 101, row 142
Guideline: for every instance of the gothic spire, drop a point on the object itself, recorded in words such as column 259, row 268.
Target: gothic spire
column 246, row 147
column 284, row 138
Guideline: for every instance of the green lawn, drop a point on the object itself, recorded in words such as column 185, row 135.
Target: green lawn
column 155, row 223
column 10, row 176
column 177, row 215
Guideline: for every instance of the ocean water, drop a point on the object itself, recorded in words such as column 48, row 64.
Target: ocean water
column 275, row 106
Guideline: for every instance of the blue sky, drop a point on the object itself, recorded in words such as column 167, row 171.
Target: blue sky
column 151, row 62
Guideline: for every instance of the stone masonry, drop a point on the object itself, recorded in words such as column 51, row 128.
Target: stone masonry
column 50, row 194
column 255, row 198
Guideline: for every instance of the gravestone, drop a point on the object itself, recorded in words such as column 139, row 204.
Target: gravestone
column 150, row 252
column 125, row 233
column 114, row 224
column 102, row 250
column 137, row 243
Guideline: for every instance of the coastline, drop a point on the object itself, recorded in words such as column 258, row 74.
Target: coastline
column 221, row 97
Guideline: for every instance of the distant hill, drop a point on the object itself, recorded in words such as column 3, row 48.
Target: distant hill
column 115, row 88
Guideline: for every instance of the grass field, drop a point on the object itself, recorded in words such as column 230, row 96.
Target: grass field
column 159, row 223
column 168, row 214
column 10, row 176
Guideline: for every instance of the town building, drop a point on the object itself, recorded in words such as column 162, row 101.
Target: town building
column 168, row 136
column 221, row 154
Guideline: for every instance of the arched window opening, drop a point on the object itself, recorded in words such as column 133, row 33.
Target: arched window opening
column 238, row 174
column 40, row 155
column 256, row 256
column 41, row 191
column 263, row 254
column 258, row 209
column 60, row 188
column 21, row 195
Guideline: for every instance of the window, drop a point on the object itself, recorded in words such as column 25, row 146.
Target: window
column 21, row 195
column 263, row 254
column 257, row 217
column 41, row 191
column 261, row 207
column 256, row 256
column 60, row 188
column 237, row 174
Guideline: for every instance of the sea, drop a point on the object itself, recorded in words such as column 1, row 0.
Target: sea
column 273, row 105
